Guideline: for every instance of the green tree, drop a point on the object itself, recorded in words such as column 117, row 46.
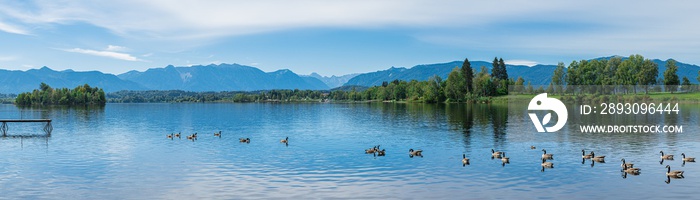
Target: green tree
column 559, row 77
column 686, row 84
column 647, row 74
column 670, row 76
column 455, row 88
column 468, row 74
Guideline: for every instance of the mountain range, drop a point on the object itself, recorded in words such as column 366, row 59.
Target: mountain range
column 235, row 77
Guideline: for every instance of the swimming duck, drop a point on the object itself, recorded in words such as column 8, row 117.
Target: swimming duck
column 381, row 153
column 504, row 159
column 630, row 170
column 666, row 157
column 687, row 159
column 170, row 136
column 465, row 160
column 584, row 155
column 496, row 153
column 217, row 134
column 674, row 173
column 546, row 155
column 626, row 165
column 416, row 152
column 246, row 140
column 597, row 158
column 286, row 139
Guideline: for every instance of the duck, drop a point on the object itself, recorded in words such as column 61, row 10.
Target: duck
column 630, row 170
column 547, row 164
column 533, row 147
column 687, row 159
column 504, row 158
column 546, row 155
column 626, row 165
column 381, row 153
column 465, row 160
column 417, row 152
column 496, row 153
column 674, row 173
column 170, row 136
column 177, row 135
column 285, row 140
column 666, row 157
column 217, row 134
column 597, row 158
column 246, row 140
column 586, row 156
column 371, row 150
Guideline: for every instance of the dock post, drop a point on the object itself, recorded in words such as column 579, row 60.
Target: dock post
column 4, row 129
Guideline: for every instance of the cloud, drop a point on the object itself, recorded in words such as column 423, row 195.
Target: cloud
column 7, row 58
column 109, row 54
column 12, row 29
column 115, row 48
column 521, row 62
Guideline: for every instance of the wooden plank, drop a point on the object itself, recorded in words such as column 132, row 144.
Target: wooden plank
column 25, row 120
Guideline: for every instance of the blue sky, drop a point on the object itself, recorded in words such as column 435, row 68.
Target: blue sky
column 337, row 37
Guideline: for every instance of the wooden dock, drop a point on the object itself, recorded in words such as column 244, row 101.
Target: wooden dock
column 47, row 128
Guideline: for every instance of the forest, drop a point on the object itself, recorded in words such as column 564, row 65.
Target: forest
column 45, row 95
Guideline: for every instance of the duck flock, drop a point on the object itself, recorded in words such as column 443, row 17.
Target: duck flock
column 627, row 168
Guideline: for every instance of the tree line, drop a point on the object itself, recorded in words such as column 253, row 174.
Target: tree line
column 45, row 95
column 462, row 85
column 615, row 75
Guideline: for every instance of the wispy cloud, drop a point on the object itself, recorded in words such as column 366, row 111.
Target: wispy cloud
column 7, row 58
column 115, row 48
column 12, row 29
column 528, row 63
column 106, row 53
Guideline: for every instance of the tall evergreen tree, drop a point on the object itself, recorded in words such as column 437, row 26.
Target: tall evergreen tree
column 468, row 74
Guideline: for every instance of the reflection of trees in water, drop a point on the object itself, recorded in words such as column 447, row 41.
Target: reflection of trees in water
column 466, row 116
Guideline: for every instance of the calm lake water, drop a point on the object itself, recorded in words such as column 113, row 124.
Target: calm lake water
column 121, row 152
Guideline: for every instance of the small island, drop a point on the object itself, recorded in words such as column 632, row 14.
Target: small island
column 45, row 95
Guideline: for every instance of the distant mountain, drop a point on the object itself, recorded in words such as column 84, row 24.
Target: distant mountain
column 223, row 77
column 538, row 75
column 15, row 82
column 334, row 81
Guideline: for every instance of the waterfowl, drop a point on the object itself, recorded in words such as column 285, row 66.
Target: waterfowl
column 504, row 158
column 586, row 156
column 597, row 158
column 626, row 165
column 285, row 140
column 371, row 150
column 687, row 159
column 546, row 155
column 666, row 157
column 533, row 147
column 177, row 135
column 465, row 160
column 246, row 140
column 170, row 136
column 217, row 134
column 547, row 164
column 416, row 152
column 381, row 153
column 496, row 153
column 630, row 170
column 674, row 173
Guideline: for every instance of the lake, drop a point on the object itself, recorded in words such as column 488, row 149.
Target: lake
column 121, row 152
